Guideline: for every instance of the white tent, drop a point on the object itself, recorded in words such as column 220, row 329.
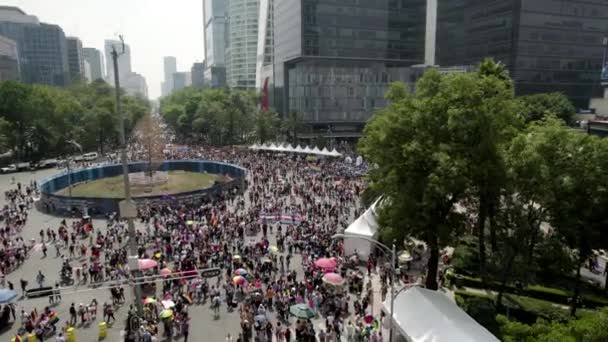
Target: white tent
column 316, row 150
column 299, row 149
column 325, row 151
column 254, row 147
column 364, row 226
column 307, row 149
column 335, row 153
column 423, row 315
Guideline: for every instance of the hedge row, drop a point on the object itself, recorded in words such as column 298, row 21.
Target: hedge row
column 535, row 291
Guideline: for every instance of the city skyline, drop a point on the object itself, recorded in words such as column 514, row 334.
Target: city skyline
column 98, row 21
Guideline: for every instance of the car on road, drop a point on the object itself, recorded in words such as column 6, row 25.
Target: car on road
column 17, row 167
column 90, row 156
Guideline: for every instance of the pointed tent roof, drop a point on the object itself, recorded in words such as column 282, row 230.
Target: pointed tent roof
column 307, row 149
column 316, row 150
column 335, row 153
column 254, row 147
column 325, row 151
column 299, row 149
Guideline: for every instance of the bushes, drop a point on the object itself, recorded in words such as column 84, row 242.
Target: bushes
column 551, row 294
column 480, row 307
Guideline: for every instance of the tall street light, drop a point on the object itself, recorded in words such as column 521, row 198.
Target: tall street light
column 127, row 207
column 393, row 253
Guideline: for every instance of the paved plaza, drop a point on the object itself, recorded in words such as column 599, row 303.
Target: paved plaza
column 203, row 326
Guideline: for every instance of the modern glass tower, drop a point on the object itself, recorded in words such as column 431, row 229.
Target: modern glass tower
column 334, row 59
column 548, row 45
column 41, row 47
column 75, row 59
column 95, row 60
column 215, row 25
column 242, row 48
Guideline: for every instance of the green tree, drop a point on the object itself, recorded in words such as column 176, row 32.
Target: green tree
column 293, row 124
column 266, row 126
column 538, row 106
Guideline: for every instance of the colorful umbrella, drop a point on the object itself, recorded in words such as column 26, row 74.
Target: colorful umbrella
column 149, row 300
column 273, row 249
column 168, row 304
column 189, row 222
column 146, row 264
column 166, row 314
column 326, row 263
column 6, row 296
column 239, row 280
column 333, row 279
column 241, row 272
column 301, row 311
column 165, row 272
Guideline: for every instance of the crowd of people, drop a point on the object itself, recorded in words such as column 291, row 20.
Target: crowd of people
column 265, row 242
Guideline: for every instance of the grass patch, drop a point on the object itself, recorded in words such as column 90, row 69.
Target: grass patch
column 112, row 187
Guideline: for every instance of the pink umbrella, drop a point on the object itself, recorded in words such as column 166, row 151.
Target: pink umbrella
column 239, row 280
column 333, row 279
column 165, row 272
column 326, row 263
column 146, row 264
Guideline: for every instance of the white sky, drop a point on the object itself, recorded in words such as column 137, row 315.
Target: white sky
column 153, row 29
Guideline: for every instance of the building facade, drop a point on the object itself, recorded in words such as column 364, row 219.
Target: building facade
column 169, row 67
column 334, row 59
column 75, row 59
column 95, row 60
column 265, row 55
column 135, row 84
column 41, row 47
column 124, row 60
column 215, row 31
column 242, row 48
column 9, row 60
column 547, row 45
column 197, row 73
column 180, row 80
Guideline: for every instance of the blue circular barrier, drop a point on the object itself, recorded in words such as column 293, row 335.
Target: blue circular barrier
column 62, row 205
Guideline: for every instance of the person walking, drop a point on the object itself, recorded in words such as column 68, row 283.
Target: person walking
column 186, row 327
column 73, row 317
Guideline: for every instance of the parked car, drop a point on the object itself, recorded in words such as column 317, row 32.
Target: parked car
column 9, row 169
column 90, row 156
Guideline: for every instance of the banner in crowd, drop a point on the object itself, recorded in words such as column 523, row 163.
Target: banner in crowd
column 284, row 218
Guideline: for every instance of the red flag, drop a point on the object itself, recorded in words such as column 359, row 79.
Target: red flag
column 264, row 101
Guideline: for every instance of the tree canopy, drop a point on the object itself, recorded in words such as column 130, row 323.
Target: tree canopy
column 37, row 120
column 538, row 106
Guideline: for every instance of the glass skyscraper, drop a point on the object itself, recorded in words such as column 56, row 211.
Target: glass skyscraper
column 242, row 48
column 334, row 59
column 42, row 47
column 215, row 25
column 548, row 45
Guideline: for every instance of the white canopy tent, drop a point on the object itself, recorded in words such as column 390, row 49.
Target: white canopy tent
column 289, row 148
column 423, row 315
column 364, row 226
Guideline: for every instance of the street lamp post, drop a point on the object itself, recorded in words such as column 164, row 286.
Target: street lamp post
column 393, row 252
column 125, row 173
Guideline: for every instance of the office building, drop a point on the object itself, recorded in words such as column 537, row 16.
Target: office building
column 547, row 45
column 242, row 48
column 170, row 67
column 180, row 80
column 9, row 60
column 265, row 51
column 134, row 84
column 75, row 59
column 215, row 27
column 334, row 59
column 87, row 72
column 95, row 60
column 198, row 74
column 41, row 47
column 124, row 60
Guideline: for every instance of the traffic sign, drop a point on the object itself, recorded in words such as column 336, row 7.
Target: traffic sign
column 211, row 272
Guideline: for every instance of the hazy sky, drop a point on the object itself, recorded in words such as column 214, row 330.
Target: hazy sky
column 153, row 29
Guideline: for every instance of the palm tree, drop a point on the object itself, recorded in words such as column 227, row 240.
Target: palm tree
column 292, row 124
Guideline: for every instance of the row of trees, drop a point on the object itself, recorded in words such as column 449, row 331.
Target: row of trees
column 225, row 117
column 37, row 120
column 464, row 155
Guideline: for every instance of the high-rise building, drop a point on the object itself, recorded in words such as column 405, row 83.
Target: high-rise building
column 265, row 54
column 87, row 72
column 242, row 48
column 41, row 47
column 134, row 84
column 95, row 60
column 124, row 60
column 198, row 74
column 334, row 59
column 215, row 26
column 9, row 60
column 75, row 59
column 180, row 80
column 547, row 45
column 170, row 67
